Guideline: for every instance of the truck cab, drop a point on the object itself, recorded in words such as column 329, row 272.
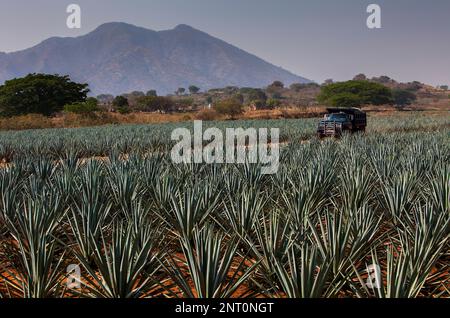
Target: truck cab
column 339, row 120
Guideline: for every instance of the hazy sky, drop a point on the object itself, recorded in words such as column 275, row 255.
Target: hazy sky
column 318, row 39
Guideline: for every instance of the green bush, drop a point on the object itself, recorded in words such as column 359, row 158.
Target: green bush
column 403, row 97
column 184, row 102
column 229, row 107
column 273, row 103
column 259, row 104
column 155, row 103
column 121, row 104
column 89, row 106
column 152, row 93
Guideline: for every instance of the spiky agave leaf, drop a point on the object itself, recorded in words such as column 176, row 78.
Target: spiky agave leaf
column 400, row 196
column 346, row 240
column 125, row 266
column 241, row 212
column 439, row 191
column 306, row 274
column 89, row 211
column 408, row 263
column 190, row 208
column 126, row 186
column 273, row 237
column 10, row 185
column 213, row 269
column 34, row 250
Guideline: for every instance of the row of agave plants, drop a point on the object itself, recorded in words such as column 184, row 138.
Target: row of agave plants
column 104, row 141
column 144, row 227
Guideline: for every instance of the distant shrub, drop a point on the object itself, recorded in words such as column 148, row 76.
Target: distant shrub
column 277, row 84
column 314, row 85
column 273, row 103
column 229, row 107
column 296, row 87
column 123, row 110
column 89, row 106
column 155, row 103
column 382, row 79
column 277, row 95
column 360, row 77
column 253, row 94
column 403, row 97
column 259, row 104
column 185, row 102
column 137, row 94
column 414, row 86
column 193, row 89
column 121, row 104
column 180, row 91
column 105, row 98
column 207, row 115
column 152, row 93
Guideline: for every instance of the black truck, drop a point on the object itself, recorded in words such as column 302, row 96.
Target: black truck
column 339, row 120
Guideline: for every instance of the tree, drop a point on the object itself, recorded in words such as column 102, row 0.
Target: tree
column 180, row 91
column 328, row 81
column 444, row 87
column 40, row 94
column 346, row 100
column 193, row 89
column 121, row 104
column 152, row 92
column 230, row 107
column 403, row 97
column 355, row 94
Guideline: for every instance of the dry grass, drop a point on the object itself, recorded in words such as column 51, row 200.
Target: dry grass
column 70, row 120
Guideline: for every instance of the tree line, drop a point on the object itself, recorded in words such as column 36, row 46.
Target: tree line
column 49, row 94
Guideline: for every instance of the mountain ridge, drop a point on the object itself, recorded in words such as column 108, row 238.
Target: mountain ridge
column 119, row 57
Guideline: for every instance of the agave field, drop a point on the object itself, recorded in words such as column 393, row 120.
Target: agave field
column 338, row 212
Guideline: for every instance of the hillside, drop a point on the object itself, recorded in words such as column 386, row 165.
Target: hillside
column 118, row 57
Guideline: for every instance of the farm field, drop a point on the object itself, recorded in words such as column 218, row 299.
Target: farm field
column 110, row 200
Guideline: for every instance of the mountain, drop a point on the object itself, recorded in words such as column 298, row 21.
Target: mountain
column 118, row 57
